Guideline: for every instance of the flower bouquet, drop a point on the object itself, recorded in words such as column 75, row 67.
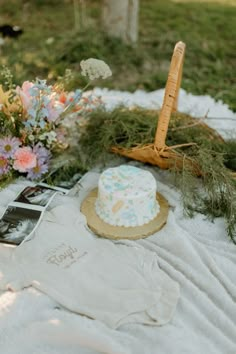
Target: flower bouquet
column 35, row 121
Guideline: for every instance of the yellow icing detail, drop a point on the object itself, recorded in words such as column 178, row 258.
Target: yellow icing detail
column 117, row 206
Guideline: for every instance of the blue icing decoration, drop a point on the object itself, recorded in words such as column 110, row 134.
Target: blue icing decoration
column 108, row 187
column 130, row 169
column 129, row 215
column 120, row 186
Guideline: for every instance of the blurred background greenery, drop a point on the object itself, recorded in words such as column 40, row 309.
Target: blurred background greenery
column 51, row 43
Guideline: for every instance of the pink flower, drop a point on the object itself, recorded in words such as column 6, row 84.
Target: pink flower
column 55, row 109
column 24, row 93
column 25, row 159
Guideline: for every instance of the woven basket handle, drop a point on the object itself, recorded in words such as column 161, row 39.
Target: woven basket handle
column 170, row 102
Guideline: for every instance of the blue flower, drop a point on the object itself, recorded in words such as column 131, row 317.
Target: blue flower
column 77, row 95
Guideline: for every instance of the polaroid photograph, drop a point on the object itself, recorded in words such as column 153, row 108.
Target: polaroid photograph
column 36, row 195
column 18, row 223
column 55, row 188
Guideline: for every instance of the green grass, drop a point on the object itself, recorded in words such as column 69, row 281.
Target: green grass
column 207, row 28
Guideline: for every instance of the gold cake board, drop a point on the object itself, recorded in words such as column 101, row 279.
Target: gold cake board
column 101, row 228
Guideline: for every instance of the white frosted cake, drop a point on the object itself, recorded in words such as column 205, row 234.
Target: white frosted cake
column 126, row 196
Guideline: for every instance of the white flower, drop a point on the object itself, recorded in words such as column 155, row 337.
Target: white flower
column 31, row 137
column 51, row 137
column 95, row 68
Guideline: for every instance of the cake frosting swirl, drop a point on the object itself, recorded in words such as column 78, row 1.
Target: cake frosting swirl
column 126, row 196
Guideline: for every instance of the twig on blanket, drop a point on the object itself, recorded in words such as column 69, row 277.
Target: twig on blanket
column 198, row 121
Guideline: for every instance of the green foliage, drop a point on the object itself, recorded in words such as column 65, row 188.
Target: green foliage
column 214, row 194
column 6, row 78
column 118, row 127
column 66, row 171
column 6, row 180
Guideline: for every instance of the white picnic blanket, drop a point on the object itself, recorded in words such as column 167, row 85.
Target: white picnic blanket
column 115, row 283
column 196, row 253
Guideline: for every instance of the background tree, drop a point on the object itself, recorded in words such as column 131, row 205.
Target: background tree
column 120, row 19
column 79, row 14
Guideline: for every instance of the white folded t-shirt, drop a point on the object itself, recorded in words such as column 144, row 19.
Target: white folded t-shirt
column 109, row 281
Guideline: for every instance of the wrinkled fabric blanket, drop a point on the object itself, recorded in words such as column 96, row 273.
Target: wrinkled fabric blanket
column 196, row 253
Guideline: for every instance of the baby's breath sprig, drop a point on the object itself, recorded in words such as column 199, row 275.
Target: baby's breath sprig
column 6, row 78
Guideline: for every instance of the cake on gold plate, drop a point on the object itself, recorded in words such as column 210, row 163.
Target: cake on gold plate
column 127, row 196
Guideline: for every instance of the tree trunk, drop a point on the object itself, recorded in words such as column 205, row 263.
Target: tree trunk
column 120, row 19
column 79, row 14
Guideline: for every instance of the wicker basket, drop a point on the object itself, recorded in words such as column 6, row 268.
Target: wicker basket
column 158, row 153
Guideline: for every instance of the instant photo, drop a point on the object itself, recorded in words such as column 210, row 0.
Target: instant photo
column 36, row 195
column 17, row 224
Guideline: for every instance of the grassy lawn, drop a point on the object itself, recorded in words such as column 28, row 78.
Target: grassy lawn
column 50, row 44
